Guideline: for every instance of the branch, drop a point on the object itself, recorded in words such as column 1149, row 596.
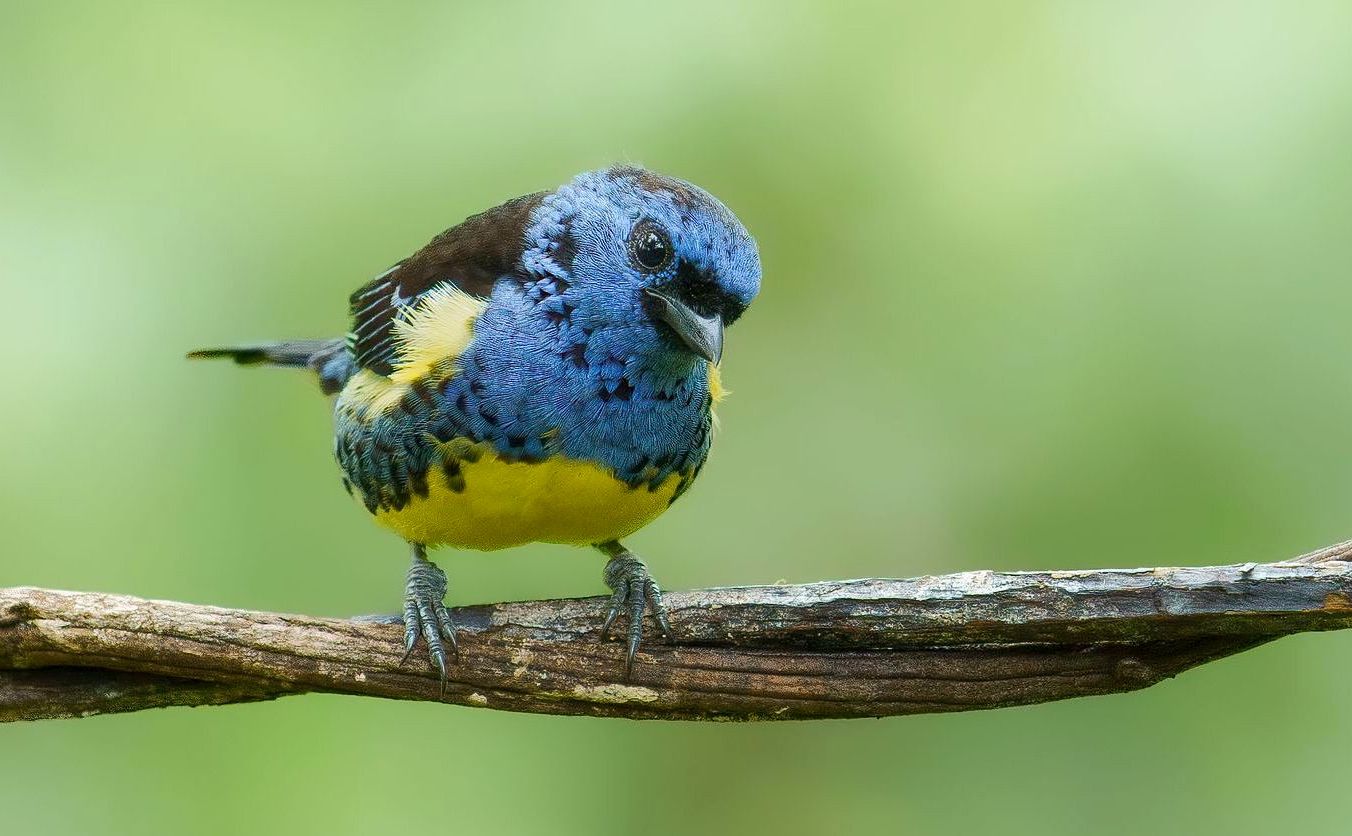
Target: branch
column 861, row 648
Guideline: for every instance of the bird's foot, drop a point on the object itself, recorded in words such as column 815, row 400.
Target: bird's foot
column 425, row 612
column 634, row 591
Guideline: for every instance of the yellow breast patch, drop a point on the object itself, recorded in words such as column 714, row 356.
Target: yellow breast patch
column 505, row 504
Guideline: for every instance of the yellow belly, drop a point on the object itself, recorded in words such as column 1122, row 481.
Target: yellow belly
column 510, row 503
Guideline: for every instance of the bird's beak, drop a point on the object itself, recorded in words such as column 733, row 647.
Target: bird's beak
column 703, row 335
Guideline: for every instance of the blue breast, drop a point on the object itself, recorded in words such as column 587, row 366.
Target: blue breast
column 546, row 375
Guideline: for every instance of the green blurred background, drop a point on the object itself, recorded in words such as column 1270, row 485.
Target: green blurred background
column 1046, row 285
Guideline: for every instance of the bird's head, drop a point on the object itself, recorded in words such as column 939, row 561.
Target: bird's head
column 651, row 257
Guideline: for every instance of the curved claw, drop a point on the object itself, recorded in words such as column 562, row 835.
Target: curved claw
column 617, row 600
column 634, row 591
column 425, row 614
column 638, row 604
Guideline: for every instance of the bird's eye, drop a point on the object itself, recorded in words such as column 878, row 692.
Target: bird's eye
column 650, row 248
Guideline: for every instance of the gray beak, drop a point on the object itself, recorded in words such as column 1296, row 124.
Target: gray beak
column 703, row 335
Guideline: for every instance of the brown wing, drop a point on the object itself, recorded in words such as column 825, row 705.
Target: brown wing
column 473, row 256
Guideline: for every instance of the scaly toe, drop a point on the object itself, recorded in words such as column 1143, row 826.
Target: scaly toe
column 654, row 596
column 425, row 615
column 634, row 592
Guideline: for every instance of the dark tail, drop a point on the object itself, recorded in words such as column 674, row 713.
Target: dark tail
column 330, row 359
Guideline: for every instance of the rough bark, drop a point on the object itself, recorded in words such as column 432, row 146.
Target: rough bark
column 862, row 648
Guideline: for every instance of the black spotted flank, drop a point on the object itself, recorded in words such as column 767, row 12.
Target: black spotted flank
column 560, row 317
column 578, row 354
column 418, row 481
column 681, row 488
column 421, row 389
column 455, row 478
column 624, row 390
column 398, row 485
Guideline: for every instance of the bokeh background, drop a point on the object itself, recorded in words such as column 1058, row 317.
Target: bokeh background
column 1046, row 285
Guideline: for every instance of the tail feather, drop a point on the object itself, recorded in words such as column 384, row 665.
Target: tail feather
column 330, row 359
column 290, row 353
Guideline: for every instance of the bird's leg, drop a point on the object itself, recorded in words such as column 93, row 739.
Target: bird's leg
column 634, row 591
column 425, row 612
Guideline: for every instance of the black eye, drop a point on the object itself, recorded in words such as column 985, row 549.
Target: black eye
column 650, row 247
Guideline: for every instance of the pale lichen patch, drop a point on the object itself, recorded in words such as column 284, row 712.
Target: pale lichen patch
column 614, row 694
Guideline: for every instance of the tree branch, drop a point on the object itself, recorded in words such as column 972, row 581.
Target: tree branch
column 861, row 648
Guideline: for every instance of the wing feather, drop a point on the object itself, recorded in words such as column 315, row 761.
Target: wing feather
column 470, row 257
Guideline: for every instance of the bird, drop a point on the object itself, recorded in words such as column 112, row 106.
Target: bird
column 544, row 371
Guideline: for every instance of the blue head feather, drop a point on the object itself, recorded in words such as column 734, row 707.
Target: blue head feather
column 582, row 234
column 572, row 361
